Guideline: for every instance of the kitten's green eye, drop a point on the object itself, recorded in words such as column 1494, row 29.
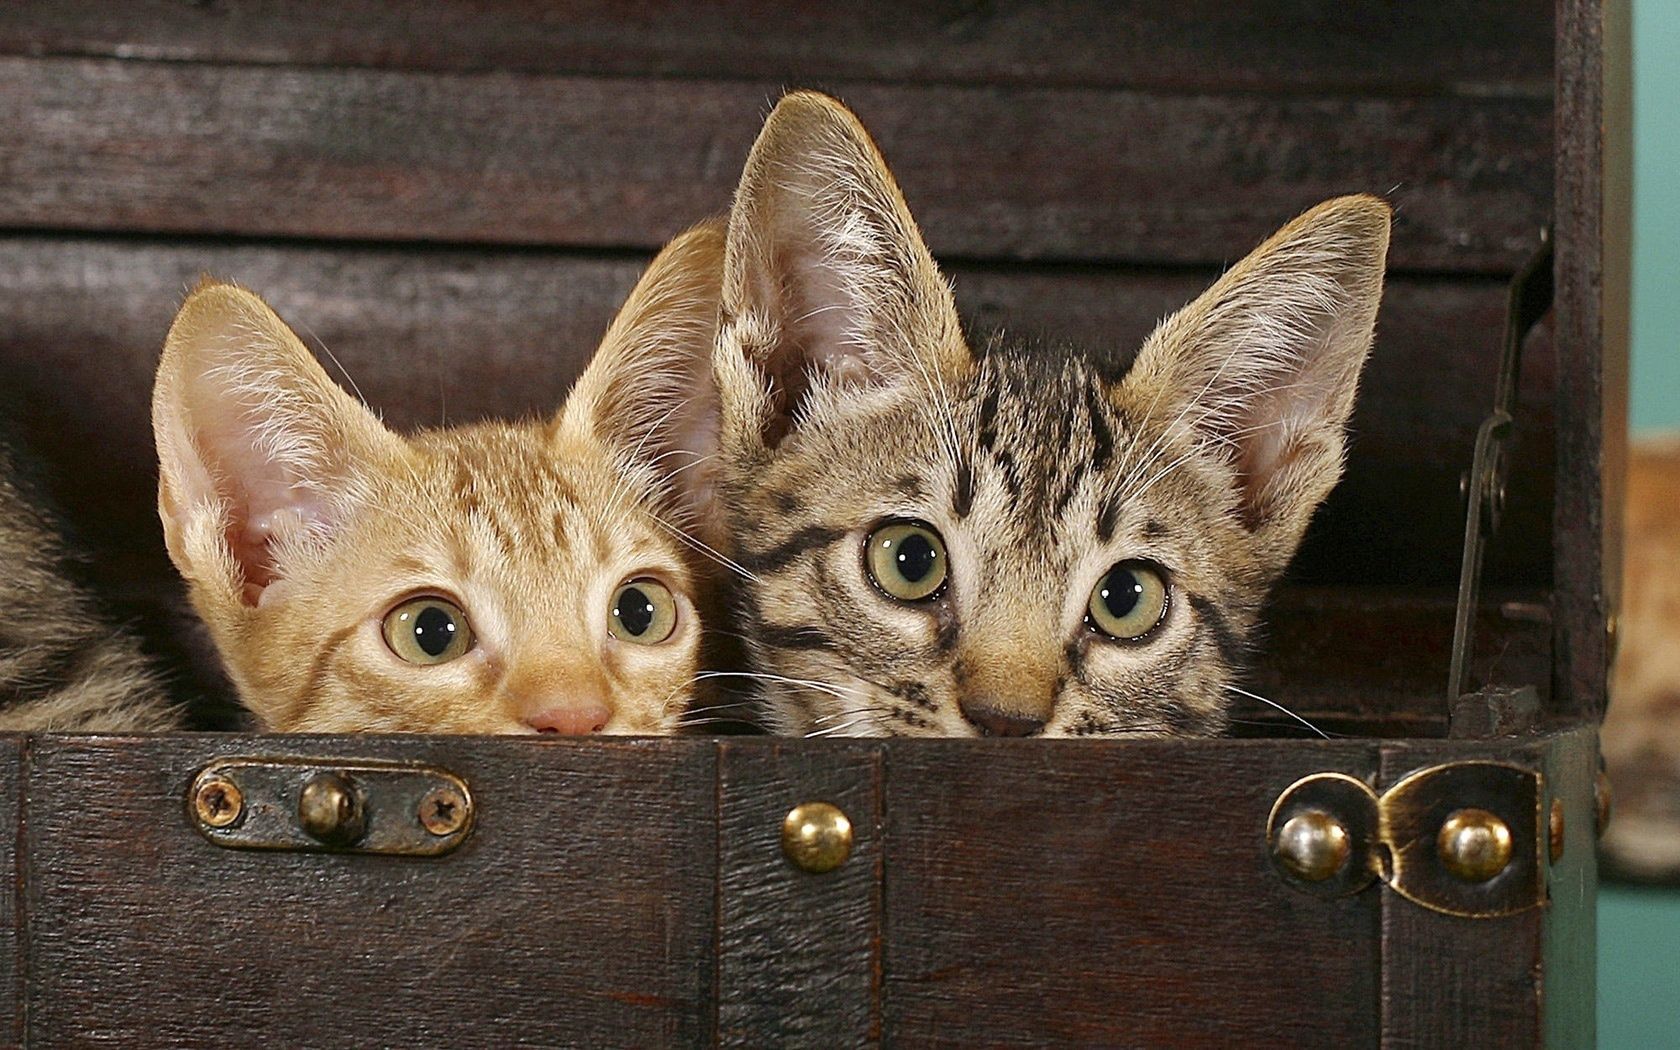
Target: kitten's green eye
column 643, row 612
column 906, row 560
column 1128, row 601
column 428, row 631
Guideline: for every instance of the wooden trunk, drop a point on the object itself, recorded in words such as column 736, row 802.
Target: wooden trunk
column 454, row 197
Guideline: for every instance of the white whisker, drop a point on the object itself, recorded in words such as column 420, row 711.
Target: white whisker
column 1280, row 707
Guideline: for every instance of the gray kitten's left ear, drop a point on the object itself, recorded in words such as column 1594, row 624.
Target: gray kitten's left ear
column 1261, row 370
column 648, row 391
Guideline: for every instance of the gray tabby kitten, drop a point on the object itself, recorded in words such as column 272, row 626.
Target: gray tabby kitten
column 946, row 540
column 64, row 664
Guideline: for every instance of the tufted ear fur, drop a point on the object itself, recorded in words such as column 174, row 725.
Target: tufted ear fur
column 1261, row 370
column 259, row 452
column 648, row 391
column 826, row 281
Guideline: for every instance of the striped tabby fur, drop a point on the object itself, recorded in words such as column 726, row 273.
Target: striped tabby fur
column 849, row 397
column 65, row 665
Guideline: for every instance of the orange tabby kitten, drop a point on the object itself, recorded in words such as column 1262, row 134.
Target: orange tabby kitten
column 493, row 578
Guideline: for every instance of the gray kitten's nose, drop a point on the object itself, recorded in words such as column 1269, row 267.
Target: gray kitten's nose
column 995, row 721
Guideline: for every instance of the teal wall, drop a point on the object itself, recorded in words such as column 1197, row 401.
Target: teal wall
column 1639, row 931
column 1655, row 382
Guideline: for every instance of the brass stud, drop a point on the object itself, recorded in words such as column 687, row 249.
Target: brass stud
column 217, row 801
column 1601, row 803
column 816, row 837
column 1474, row 845
column 1554, row 829
column 444, row 810
column 1313, row 845
column 330, row 810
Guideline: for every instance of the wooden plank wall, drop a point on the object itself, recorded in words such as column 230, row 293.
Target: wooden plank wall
column 453, row 199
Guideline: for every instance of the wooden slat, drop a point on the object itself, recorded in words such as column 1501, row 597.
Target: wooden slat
column 1451, row 981
column 580, row 912
column 460, row 335
column 11, row 916
column 1015, row 174
column 799, row 955
column 1484, row 46
column 1382, row 654
column 1594, row 186
column 1571, row 940
column 1117, row 895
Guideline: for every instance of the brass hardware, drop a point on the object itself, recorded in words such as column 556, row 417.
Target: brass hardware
column 1554, row 830
column 1462, row 838
column 1322, row 835
column 330, row 810
column 1313, row 845
column 444, row 810
column 1602, row 800
column 1474, row 844
column 816, row 837
column 350, row 806
column 217, row 801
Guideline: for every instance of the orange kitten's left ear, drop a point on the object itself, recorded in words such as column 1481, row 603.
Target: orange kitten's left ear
column 648, row 391
column 258, row 450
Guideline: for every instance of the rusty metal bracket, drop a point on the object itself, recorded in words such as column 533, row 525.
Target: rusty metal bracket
column 345, row 807
column 1484, row 486
column 1463, row 838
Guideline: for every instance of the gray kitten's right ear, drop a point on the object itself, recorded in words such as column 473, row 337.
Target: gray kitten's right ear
column 258, row 450
column 826, row 280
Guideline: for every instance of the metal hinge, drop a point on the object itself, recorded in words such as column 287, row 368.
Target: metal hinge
column 1484, row 485
column 1462, row 838
column 352, row 807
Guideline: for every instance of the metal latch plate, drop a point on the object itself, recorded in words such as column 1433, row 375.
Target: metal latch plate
column 1462, row 838
column 345, row 807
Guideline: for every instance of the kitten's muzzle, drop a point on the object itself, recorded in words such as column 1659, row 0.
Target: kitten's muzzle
column 575, row 719
column 993, row 720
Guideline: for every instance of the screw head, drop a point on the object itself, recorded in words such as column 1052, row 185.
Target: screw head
column 217, row 801
column 330, row 810
column 1474, row 845
column 816, row 837
column 1312, row 845
column 444, row 810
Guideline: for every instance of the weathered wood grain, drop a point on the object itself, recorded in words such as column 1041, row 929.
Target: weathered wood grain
column 1029, row 173
column 1482, row 46
column 1451, row 981
column 580, row 912
column 799, row 954
column 12, row 918
column 1570, row 763
column 1382, row 654
column 1113, row 895
column 1594, row 184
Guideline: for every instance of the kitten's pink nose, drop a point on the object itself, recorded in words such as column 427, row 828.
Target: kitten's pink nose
column 572, row 719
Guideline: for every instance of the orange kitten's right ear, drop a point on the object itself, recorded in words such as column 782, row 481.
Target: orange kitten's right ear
column 648, row 391
column 257, row 448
